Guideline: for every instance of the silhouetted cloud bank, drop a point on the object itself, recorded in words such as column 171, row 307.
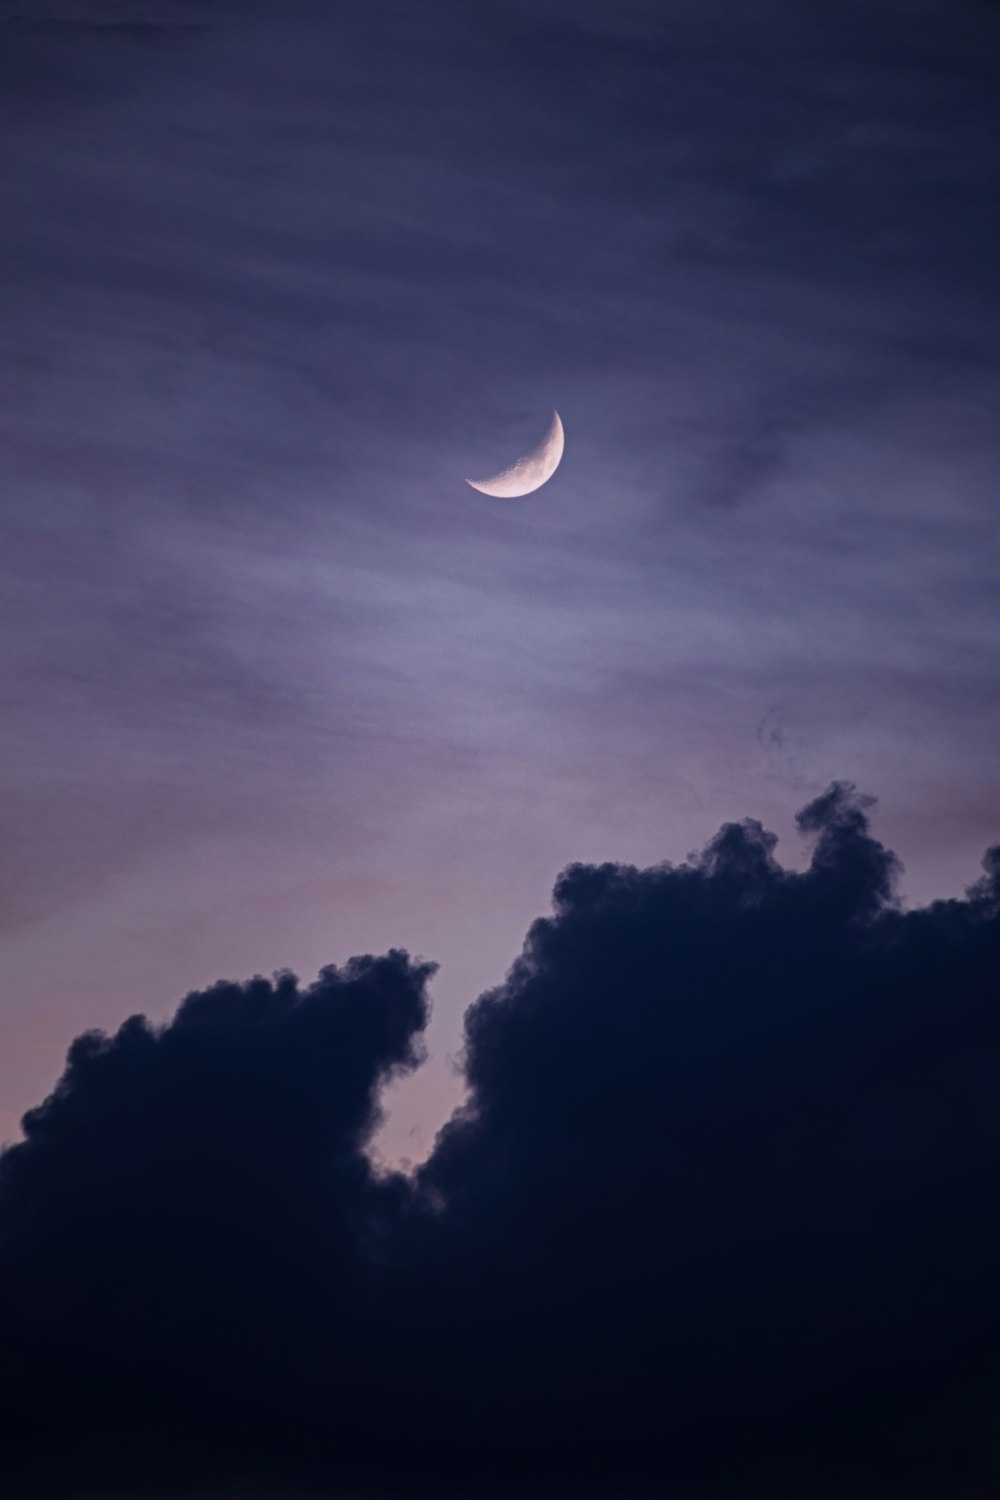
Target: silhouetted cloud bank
column 721, row 1214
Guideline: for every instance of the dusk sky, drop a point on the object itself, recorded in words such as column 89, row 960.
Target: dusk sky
column 277, row 685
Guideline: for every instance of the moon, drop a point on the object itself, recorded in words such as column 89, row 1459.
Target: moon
column 531, row 470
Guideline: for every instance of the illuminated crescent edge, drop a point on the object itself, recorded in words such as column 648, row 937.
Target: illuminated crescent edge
column 531, row 470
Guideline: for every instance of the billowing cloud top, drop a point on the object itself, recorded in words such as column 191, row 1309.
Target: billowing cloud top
column 720, row 1213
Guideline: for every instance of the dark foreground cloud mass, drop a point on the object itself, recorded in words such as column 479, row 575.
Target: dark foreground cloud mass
column 720, row 1216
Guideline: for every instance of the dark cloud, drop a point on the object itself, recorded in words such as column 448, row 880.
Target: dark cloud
column 722, row 1194
column 183, row 1226
column 720, row 1209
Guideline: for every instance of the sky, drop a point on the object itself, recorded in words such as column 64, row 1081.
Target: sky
column 631, row 1128
column 278, row 687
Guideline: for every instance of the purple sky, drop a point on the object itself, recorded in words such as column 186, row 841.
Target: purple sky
column 277, row 686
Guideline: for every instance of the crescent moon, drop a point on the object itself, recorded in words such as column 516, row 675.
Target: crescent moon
column 529, row 472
